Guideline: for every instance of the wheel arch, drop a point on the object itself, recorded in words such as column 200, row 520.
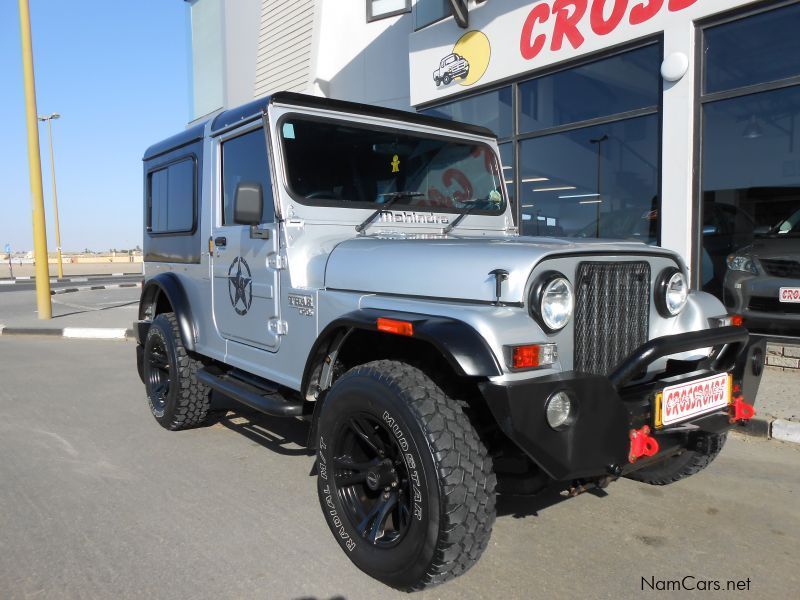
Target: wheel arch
column 453, row 345
column 165, row 293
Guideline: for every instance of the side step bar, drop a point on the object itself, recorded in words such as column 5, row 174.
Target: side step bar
column 263, row 400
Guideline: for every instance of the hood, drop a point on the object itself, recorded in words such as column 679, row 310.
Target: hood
column 451, row 267
column 774, row 246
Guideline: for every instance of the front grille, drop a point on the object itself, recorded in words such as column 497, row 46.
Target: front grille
column 773, row 305
column 781, row 268
column 612, row 313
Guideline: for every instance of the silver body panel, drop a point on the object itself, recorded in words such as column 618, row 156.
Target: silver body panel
column 315, row 268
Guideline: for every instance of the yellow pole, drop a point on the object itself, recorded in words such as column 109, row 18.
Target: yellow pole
column 43, row 304
column 55, row 195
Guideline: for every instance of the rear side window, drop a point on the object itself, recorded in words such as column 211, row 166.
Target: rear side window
column 244, row 160
column 171, row 198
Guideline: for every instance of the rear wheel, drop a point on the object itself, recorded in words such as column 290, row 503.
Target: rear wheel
column 405, row 483
column 686, row 464
column 176, row 398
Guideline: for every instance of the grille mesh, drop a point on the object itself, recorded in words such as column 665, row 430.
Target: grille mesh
column 612, row 312
column 781, row 268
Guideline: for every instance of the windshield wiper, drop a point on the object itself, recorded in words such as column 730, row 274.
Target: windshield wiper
column 452, row 225
column 393, row 197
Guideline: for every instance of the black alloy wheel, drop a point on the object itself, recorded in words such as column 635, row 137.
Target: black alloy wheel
column 176, row 398
column 372, row 480
column 404, row 482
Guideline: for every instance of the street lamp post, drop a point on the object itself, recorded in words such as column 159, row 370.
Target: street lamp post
column 43, row 304
column 49, row 119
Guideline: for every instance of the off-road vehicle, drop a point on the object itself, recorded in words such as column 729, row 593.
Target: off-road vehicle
column 359, row 268
column 450, row 67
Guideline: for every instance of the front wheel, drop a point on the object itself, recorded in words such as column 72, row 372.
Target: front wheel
column 405, row 484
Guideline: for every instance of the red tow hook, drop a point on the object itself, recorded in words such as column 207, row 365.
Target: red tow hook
column 642, row 444
column 740, row 410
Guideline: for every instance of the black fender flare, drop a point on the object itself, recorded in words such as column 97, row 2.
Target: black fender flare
column 171, row 287
column 465, row 350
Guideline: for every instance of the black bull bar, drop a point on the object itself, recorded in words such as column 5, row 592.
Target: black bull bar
column 609, row 407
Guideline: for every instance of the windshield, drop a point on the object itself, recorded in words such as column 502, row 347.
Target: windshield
column 346, row 165
column 790, row 226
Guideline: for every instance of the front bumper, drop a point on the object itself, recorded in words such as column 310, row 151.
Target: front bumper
column 609, row 407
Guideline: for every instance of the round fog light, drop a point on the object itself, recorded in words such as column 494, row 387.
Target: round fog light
column 560, row 411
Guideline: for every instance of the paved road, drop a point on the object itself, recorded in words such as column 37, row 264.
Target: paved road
column 69, row 282
column 97, row 501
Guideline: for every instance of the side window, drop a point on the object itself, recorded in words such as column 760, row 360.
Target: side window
column 171, row 198
column 244, row 159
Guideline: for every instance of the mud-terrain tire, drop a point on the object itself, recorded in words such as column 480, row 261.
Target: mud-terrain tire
column 683, row 465
column 176, row 398
column 405, row 483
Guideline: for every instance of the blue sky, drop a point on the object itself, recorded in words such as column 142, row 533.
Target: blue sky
column 118, row 73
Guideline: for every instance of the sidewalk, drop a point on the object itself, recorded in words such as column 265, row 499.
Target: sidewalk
column 102, row 314
column 73, row 270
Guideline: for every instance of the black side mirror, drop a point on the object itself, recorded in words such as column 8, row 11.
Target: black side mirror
column 248, row 203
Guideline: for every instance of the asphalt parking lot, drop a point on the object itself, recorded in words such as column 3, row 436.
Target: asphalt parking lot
column 98, row 501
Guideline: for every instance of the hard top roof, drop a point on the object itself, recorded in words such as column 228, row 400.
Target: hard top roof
column 255, row 109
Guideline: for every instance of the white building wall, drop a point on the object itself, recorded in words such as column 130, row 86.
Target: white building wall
column 359, row 61
column 283, row 60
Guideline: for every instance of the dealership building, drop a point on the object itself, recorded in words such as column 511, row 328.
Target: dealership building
column 668, row 121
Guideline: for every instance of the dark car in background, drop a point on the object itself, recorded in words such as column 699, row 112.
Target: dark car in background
column 762, row 281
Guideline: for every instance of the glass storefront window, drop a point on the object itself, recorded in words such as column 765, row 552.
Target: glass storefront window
column 750, row 190
column 599, row 181
column 427, row 12
column 507, row 158
column 493, row 110
column 610, row 86
column 758, row 49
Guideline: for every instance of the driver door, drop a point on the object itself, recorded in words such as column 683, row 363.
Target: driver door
column 245, row 282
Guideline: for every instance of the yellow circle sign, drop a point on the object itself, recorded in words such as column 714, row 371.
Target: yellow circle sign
column 475, row 48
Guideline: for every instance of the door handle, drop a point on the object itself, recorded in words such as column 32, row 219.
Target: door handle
column 220, row 242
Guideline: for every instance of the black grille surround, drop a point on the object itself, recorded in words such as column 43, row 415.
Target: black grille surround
column 612, row 313
column 781, row 267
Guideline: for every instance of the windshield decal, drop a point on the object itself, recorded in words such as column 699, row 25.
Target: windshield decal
column 395, row 164
column 407, row 216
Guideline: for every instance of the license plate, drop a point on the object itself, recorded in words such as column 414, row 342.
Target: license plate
column 789, row 294
column 678, row 403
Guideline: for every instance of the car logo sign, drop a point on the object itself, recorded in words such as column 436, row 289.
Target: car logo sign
column 240, row 285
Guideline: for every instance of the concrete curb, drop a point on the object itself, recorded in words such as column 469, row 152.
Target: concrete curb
column 85, row 288
column 76, row 279
column 84, row 333
column 771, row 429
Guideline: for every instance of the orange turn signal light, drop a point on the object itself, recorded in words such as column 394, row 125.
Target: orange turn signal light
column 525, row 357
column 737, row 320
column 395, row 327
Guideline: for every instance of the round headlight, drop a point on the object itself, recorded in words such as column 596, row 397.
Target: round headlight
column 672, row 292
column 559, row 411
column 556, row 302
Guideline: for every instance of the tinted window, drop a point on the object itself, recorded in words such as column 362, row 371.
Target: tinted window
column 591, row 182
column 377, row 9
column 430, row 11
column 340, row 164
column 606, row 87
column 757, row 49
column 492, row 110
column 751, row 181
column 244, row 160
column 172, row 198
